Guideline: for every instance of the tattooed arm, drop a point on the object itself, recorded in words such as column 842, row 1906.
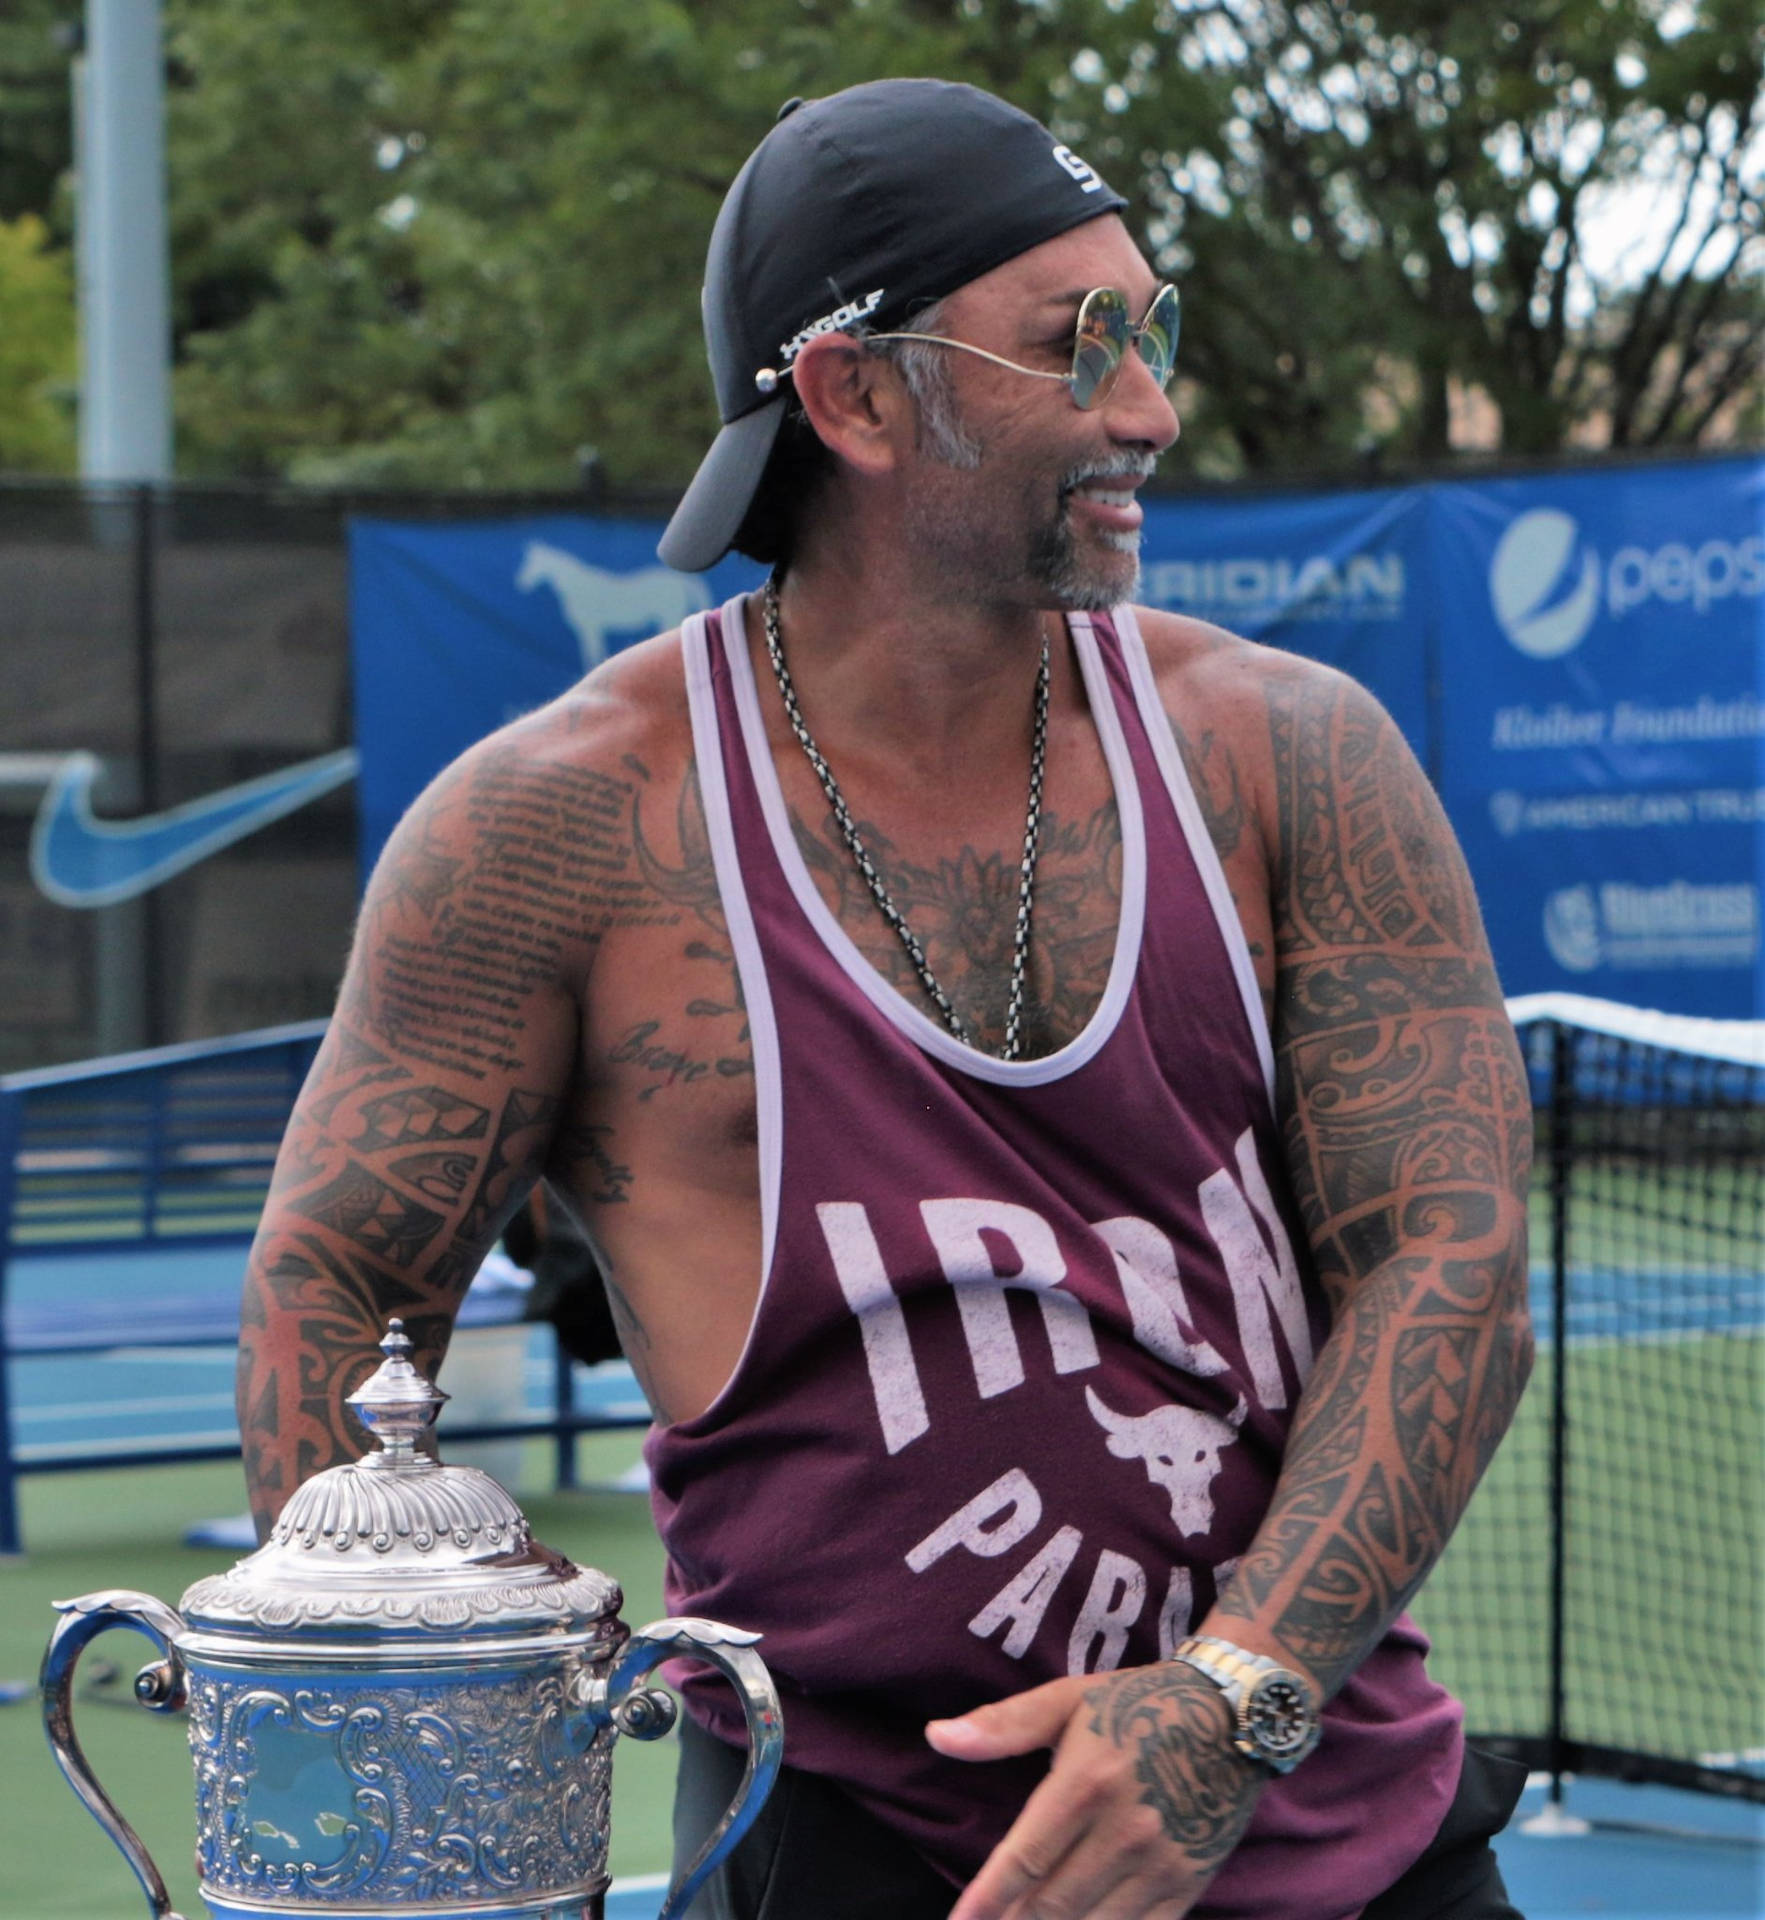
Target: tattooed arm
column 1408, row 1133
column 437, row 1091
column 1407, row 1130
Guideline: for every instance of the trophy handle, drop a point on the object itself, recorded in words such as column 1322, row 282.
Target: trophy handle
column 647, row 1713
column 159, row 1687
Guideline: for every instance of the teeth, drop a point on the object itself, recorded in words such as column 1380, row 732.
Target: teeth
column 1108, row 498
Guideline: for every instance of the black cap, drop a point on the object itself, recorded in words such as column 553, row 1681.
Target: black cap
column 858, row 210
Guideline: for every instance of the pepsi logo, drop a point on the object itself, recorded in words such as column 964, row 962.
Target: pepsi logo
column 1545, row 592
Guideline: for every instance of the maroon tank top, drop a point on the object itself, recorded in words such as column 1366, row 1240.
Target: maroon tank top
column 1029, row 1339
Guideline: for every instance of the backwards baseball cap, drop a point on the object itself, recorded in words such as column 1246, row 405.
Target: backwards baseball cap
column 858, row 210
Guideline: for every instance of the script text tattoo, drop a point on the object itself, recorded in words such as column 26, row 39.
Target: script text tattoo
column 1408, row 1133
column 456, row 946
column 439, row 1093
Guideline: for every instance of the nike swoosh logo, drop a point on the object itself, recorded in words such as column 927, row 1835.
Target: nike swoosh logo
column 79, row 860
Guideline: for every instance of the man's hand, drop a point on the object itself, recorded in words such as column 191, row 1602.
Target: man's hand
column 1145, row 1799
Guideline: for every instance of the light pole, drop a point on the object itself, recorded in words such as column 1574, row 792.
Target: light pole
column 124, row 271
column 124, row 280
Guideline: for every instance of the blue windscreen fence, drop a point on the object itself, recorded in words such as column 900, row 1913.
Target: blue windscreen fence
column 1578, row 659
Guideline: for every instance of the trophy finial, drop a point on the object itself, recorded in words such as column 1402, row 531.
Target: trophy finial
column 395, row 1403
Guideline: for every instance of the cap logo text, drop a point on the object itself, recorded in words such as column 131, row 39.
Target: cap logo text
column 1081, row 170
column 847, row 316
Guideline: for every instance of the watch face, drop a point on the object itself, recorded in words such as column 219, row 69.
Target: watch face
column 1278, row 1718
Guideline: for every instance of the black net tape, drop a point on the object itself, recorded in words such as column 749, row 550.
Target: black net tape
column 1601, row 1608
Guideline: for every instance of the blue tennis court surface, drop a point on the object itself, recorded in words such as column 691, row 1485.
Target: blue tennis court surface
column 1660, row 1302
column 636, row 1899
column 1653, row 1854
column 176, row 1388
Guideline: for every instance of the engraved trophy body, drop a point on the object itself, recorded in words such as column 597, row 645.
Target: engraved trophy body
column 403, row 1704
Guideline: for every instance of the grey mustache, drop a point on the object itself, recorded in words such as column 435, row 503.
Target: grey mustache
column 1125, row 469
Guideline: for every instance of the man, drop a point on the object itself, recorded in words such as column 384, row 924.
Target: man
column 1043, row 1360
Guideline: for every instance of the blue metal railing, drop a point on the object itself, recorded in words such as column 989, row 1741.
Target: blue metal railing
column 170, row 1148
column 166, row 1150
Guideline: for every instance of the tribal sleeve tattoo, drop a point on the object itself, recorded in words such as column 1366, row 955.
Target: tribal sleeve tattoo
column 1408, row 1136
column 437, row 1094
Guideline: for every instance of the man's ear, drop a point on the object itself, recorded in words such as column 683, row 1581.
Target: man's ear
column 855, row 401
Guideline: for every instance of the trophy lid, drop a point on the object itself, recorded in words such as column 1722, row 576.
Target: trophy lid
column 396, row 1544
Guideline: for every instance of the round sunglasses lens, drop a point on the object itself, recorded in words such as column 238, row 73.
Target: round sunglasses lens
column 1158, row 334
column 1098, row 346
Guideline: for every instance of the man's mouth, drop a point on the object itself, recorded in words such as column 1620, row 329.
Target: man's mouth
column 1108, row 503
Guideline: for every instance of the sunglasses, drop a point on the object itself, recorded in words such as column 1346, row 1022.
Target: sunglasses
column 1100, row 344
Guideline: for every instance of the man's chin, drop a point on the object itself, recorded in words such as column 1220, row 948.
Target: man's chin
column 1092, row 582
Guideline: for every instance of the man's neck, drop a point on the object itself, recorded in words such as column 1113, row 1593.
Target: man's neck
column 879, row 659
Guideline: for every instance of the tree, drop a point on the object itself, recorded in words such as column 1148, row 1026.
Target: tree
column 450, row 242
column 483, row 239
column 36, row 124
column 1397, row 200
column 37, row 352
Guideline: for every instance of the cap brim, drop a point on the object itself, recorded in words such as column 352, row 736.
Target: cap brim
column 711, row 512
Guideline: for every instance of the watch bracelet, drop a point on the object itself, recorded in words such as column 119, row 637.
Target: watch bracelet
column 1235, row 1671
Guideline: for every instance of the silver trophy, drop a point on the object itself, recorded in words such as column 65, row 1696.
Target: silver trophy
column 402, row 1703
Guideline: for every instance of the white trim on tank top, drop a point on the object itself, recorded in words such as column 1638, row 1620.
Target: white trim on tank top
column 695, row 645
column 920, row 1028
column 1201, row 847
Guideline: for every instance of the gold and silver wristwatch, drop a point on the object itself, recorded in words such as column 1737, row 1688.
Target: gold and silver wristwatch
column 1274, row 1714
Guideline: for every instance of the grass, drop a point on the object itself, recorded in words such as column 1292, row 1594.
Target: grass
column 88, row 1532
column 1665, row 1619
column 1665, row 1539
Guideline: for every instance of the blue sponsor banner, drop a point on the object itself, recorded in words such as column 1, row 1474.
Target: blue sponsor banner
column 1341, row 577
column 456, row 629
column 1603, row 742
column 1576, row 659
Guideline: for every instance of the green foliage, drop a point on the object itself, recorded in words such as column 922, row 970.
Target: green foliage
column 1395, row 200
column 484, row 253
column 37, row 350
column 36, row 125
column 446, row 242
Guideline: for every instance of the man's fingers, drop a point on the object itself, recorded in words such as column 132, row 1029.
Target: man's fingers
column 1019, row 1724
column 1052, row 1820
column 1102, row 1874
column 1136, row 1898
column 1011, row 1872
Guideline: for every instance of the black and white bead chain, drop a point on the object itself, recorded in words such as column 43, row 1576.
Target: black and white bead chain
column 1020, row 948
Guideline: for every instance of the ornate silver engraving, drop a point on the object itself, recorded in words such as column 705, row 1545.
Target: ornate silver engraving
column 232, row 1599
column 418, row 1507
column 407, row 1795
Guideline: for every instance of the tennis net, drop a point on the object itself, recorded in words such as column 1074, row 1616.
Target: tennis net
column 1600, row 1609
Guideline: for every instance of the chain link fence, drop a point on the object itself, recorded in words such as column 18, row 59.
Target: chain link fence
column 190, row 640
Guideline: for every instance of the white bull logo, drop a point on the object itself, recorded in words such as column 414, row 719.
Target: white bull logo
column 596, row 603
column 1180, row 1448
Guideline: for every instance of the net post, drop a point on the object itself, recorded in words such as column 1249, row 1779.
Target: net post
column 11, row 1126
column 564, row 1399
column 1562, row 1111
column 144, row 602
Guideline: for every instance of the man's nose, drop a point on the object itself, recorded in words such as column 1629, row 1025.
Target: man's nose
column 1139, row 409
